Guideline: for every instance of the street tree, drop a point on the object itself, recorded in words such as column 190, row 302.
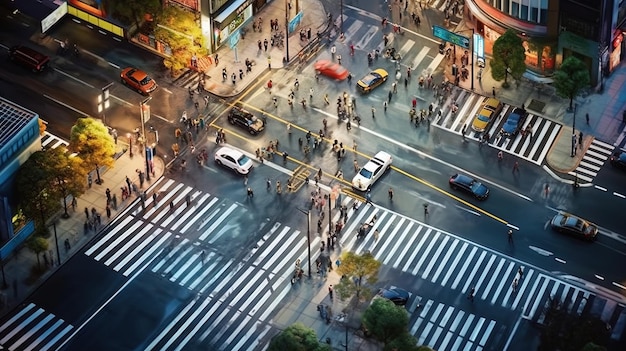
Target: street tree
column 69, row 177
column 565, row 330
column 37, row 245
column 385, row 320
column 508, row 58
column 134, row 11
column 571, row 78
column 405, row 342
column 33, row 183
column 179, row 30
column 358, row 273
column 91, row 140
column 297, row 337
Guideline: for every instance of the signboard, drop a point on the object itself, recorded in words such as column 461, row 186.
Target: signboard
column 479, row 46
column 453, row 38
column 295, row 22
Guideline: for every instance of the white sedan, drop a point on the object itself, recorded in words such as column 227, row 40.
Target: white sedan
column 372, row 170
column 233, row 159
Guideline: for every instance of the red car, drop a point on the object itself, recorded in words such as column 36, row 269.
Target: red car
column 138, row 80
column 331, row 69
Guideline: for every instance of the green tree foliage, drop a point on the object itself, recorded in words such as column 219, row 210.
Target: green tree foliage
column 385, row 320
column 405, row 342
column 297, row 337
column 571, row 78
column 563, row 330
column 508, row 57
column 179, row 30
column 33, row 188
column 91, row 140
column 358, row 271
column 593, row 347
column 133, row 11
column 37, row 245
column 69, row 177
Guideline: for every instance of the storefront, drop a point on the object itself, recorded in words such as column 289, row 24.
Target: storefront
column 229, row 20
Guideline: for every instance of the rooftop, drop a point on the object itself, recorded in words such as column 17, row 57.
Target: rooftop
column 12, row 119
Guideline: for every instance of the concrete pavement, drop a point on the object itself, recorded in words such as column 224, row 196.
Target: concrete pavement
column 20, row 271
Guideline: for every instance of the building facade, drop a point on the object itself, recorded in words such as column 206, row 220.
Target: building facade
column 553, row 30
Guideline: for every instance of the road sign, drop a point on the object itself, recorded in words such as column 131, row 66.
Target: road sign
column 453, row 38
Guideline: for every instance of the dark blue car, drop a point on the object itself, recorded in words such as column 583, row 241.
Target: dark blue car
column 514, row 123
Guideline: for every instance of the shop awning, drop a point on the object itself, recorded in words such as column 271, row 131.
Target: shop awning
column 229, row 10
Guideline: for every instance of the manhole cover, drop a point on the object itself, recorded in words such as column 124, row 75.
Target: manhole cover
column 536, row 105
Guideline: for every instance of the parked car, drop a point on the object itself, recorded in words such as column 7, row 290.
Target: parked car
column 331, row 69
column 371, row 171
column 572, row 225
column 618, row 159
column 233, row 159
column 246, row 120
column 372, row 80
column 398, row 296
column 138, row 80
column 469, row 185
column 514, row 123
column 487, row 114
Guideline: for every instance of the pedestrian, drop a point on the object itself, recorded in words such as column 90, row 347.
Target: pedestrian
column 260, row 44
column 389, row 96
column 114, row 201
column 108, row 210
column 500, row 156
column 368, row 197
column 311, row 93
column 516, row 167
column 471, row 294
column 385, row 106
column 206, row 101
column 394, row 86
column 390, row 192
column 493, row 91
column 339, row 59
column 425, row 209
column 520, row 272
column 330, row 291
column 87, row 212
column 514, row 285
column 188, row 199
column 376, row 234
column 510, row 235
column 463, row 131
column 216, row 59
column 356, row 166
column 74, row 203
column 414, row 102
column 89, row 180
column 587, row 118
column 265, row 44
column 580, row 139
column 373, row 112
column 250, row 192
column 269, row 62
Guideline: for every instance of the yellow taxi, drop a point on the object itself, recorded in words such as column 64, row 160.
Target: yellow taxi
column 490, row 110
column 372, row 80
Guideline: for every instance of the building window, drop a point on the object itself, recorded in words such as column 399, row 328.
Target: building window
column 514, row 9
column 524, row 13
column 533, row 14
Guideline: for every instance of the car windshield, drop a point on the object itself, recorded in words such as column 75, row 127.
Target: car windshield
column 483, row 118
column 145, row 81
column 369, row 79
column 365, row 173
column 475, row 186
column 242, row 160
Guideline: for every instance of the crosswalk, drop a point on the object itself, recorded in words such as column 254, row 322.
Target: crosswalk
column 233, row 299
column 32, row 328
column 596, row 154
column 532, row 147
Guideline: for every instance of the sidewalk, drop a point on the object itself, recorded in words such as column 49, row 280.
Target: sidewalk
column 605, row 110
column 19, row 268
column 233, row 59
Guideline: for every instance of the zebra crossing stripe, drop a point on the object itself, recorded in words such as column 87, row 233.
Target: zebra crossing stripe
column 398, row 243
column 21, row 326
column 44, row 336
column 464, row 268
column 106, row 238
column 197, row 216
column 128, row 244
column 119, row 239
column 137, row 249
column 503, row 283
column 32, row 331
column 433, row 240
column 415, row 251
column 476, row 265
column 420, row 56
column 494, row 274
column 485, row 271
column 215, row 224
column 454, row 264
column 181, row 219
column 431, row 264
column 443, row 263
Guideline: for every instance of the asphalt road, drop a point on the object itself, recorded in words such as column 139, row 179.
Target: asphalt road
column 112, row 311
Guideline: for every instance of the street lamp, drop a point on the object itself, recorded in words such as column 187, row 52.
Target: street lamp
column 130, row 144
column 574, row 132
column 104, row 102
column 308, row 235
column 145, row 116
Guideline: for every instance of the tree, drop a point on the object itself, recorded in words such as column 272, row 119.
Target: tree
column 33, row 187
column 385, row 320
column 133, row 11
column 405, row 342
column 357, row 272
column 91, row 140
column 297, row 337
column 508, row 57
column 37, row 245
column 563, row 330
column 178, row 29
column 68, row 173
column 571, row 78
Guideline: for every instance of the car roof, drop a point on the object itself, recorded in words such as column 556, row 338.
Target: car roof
column 225, row 150
column 492, row 103
column 381, row 72
column 382, row 156
column 462, row 178
column 394, row 292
